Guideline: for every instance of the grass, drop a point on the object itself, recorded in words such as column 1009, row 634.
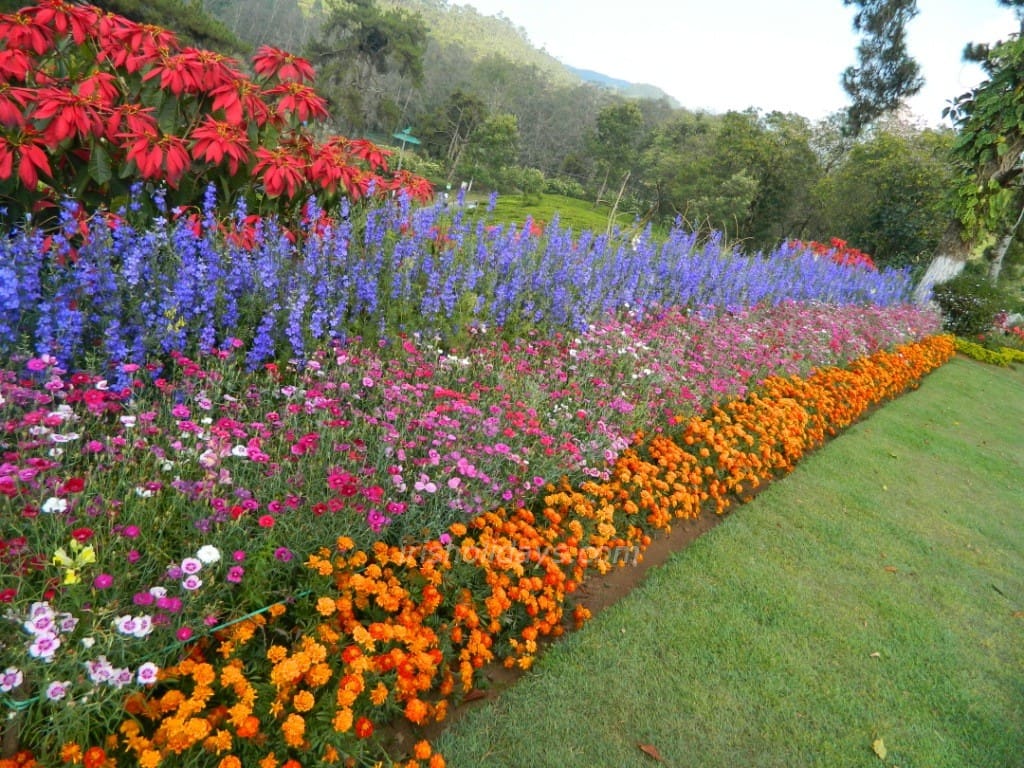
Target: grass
column 875, row 593
column 578, row 215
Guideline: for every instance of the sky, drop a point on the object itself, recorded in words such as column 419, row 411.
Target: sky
column 720, row 55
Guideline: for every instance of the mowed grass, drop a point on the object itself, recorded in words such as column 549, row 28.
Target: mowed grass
column 877, row 593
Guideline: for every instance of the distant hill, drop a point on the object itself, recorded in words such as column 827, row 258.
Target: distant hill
column 623, row 87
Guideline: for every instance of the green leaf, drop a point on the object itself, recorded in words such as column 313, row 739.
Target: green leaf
column 99, row 164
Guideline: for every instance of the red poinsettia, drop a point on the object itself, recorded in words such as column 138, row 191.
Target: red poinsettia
column 216, row 140
column 270, row 62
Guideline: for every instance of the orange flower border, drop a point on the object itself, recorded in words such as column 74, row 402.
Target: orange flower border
column 403, row 632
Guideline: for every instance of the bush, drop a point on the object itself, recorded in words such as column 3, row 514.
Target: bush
column 970, row 303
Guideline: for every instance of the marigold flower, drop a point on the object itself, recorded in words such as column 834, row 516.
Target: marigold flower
column 95, row 757
column 71, row 753
column 379, row 694
column 230, row 761
column 364, row 728
column 294, row 730
column 342, row 721
column 416, row 711
column 303, row 701
column 325, row 606
column 422, row 750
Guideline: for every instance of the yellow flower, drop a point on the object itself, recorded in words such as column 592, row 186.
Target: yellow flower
column 71, row 577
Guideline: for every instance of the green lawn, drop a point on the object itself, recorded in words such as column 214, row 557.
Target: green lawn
column 875, row 593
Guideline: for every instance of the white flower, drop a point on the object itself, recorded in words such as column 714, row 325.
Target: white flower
column 144, row 493
column 44, row 646
column 191, row 582
column 126, row 624
column 208, row 554
column 120, row 677
column 11, row 678
column 100, row 670
column 147, row 673
column 69, row 437
column 128, row 421
column 143, row 626
column 88, row 642
column 240, row 451
column 57, row 690
column 54, row 505
column 191, row 565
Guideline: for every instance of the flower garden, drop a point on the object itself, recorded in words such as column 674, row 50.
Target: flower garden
column 269, row 490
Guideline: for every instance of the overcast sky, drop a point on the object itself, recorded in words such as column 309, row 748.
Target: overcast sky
column 717, row 55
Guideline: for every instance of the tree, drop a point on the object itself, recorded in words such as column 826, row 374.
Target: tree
column 890, row 195
column 774, row 151
column 681, row 177
column 988, row 150
column 615, row 141
column 446, row 132
column 886, row 74
column 493, row 146
column 360, row 42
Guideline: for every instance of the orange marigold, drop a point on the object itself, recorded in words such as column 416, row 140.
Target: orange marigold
column 294, row 730
column 71, row 753
column 325, row 606
column 229, row 761
column 342, row 720
column 379, row 694
column 303, row 701
column 416, row 711
column 421, row 751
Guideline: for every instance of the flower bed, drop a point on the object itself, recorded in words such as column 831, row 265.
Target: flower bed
column 397, row 628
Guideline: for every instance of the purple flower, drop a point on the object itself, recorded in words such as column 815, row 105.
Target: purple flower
column 283, row 554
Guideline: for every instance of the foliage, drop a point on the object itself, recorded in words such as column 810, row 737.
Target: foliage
column 886, row 75
column 990, row 138
column 94, row 103
column 970, row 304
column 1001, row 356
column 358, row 41
column 190, row 21
column 890, row 194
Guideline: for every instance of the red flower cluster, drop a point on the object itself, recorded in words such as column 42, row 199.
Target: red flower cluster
column 838, row 251
column 83, row 91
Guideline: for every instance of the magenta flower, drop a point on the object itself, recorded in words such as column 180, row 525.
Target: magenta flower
column 283, row 554
column 103, row 581
column 235, row 574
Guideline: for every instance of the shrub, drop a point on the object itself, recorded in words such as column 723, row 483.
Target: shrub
column 970, row 304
